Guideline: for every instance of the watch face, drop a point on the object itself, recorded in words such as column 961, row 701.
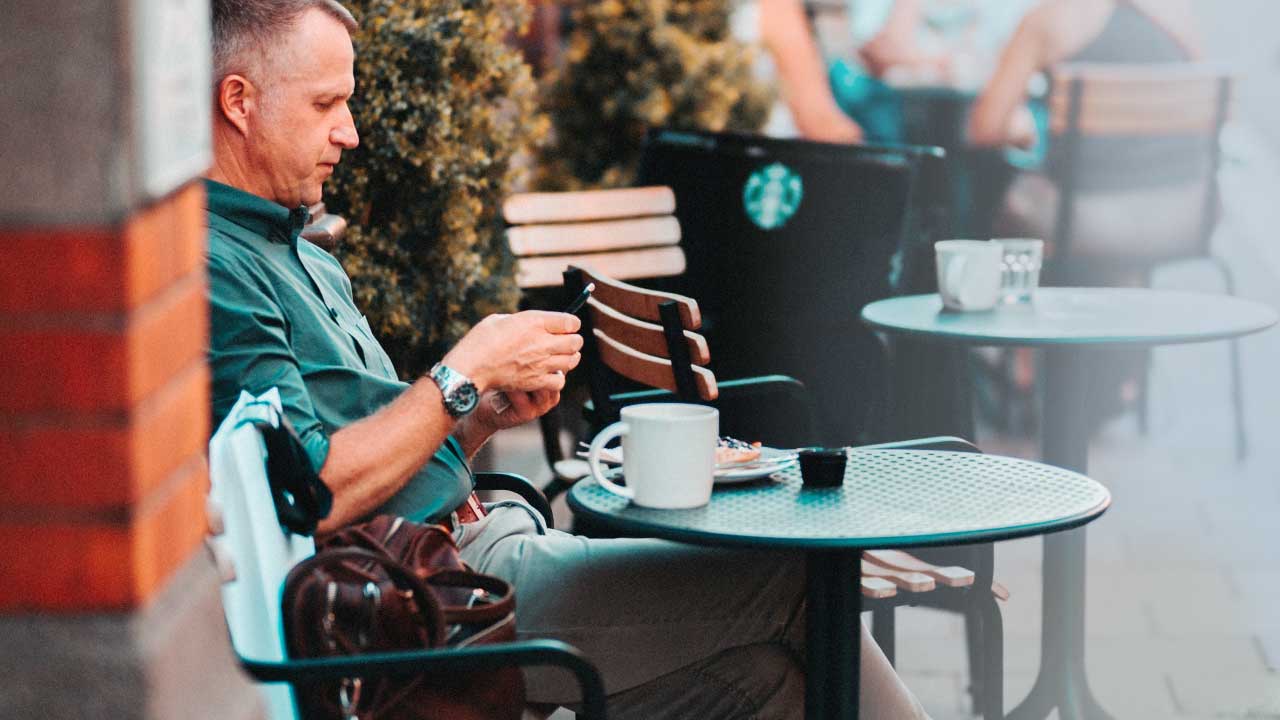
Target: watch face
column 464, row 399
column 460, row 395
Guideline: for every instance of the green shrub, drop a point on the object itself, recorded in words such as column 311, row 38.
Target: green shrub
column 443, row 104
column 635, row 64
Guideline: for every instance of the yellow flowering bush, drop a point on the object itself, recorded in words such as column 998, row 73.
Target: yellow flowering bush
column 635, row 64
column 443, row 104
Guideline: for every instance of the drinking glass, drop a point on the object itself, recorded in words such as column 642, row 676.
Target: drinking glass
column 1020, row 271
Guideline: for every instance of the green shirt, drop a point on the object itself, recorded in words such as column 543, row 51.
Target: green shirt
column 283, row 316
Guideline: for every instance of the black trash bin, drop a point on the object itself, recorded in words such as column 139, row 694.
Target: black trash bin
column 786, row 241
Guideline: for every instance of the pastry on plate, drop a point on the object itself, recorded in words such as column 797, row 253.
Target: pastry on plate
column 730, row 451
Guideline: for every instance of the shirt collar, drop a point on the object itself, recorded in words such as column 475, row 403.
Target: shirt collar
column 256, row 214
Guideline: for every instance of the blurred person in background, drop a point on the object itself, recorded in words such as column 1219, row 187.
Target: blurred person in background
column 1164, row 212
column 1062, row 31
column 915, row 42
column 1094, row 31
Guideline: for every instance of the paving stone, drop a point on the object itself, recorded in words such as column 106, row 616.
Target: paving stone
column 942, row 694
column 1016, row 686
column 928, row 623
column 1196, row 603
column 941, row 651
column 1220, row 675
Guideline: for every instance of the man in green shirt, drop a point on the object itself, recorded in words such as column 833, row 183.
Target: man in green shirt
column 677, row 631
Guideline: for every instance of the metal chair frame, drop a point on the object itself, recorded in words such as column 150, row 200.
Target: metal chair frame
column 417, row 662
column 1070, row 140
column 983, row 623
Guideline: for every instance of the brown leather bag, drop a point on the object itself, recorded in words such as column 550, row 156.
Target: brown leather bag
column 388, row 585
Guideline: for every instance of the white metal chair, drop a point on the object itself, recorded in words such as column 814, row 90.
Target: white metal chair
column 255, row 554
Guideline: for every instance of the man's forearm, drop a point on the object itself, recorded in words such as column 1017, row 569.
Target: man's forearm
column 372, row 459
column 471, row 437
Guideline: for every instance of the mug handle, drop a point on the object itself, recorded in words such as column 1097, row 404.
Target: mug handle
column 617, row 429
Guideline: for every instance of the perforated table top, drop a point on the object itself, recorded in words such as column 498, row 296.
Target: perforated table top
column 890, row 498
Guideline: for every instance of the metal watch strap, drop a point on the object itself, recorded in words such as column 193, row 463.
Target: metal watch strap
column 459, row 393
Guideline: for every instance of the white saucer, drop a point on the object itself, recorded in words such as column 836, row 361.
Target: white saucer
column 771, row 461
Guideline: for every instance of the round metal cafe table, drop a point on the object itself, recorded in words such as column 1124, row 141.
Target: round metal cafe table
column 889, row 499
column 1067, row 323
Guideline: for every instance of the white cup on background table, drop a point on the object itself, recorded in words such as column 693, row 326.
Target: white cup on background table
column 969, row 274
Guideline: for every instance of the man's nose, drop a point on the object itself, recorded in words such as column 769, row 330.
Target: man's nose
column 345, row 135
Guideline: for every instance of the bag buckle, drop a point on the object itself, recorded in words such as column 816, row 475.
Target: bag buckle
column 349, row 698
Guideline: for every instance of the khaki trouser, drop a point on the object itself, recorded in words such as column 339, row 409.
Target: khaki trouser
column 677, row 631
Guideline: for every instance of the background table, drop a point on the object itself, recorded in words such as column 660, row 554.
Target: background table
column 890, row 498
column 1068, row 322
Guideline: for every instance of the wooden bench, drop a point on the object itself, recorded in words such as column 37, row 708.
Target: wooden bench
column 628, row 233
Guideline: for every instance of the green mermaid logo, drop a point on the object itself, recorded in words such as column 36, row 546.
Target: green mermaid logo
column 772, row 195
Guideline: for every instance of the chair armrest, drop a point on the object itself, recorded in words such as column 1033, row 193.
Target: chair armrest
column 416, row 662
column 641, row 396
column 776, row 409
column 595, row 420
column 740, row 387
column 952, row 444
column 762, row 384
column 520, row 485
column 786, row 397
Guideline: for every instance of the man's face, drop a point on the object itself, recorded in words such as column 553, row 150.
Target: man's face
column 303, row 123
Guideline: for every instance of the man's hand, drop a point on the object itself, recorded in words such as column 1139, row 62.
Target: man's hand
column 525, row 352
column 499, row 411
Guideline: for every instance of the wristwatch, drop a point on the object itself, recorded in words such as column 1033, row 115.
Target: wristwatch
column 460, row 395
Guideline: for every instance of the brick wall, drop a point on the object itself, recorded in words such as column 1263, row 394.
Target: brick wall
column 109, row 606
column 103, row 407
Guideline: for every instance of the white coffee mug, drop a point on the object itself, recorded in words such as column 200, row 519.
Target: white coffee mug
column 969, row 273
column 668, row 454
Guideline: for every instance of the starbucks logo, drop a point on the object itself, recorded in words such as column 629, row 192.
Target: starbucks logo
column 772, row 196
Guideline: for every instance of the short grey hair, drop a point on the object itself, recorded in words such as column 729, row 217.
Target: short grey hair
column 244, row 27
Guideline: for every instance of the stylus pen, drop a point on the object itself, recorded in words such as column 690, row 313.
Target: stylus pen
column 581, row 300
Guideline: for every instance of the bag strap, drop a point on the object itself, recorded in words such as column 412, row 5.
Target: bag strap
column 501, row 600
column 342, row 559
column 499, row 603
column 301, row 498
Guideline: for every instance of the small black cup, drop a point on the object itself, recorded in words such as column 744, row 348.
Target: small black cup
column 821, row 468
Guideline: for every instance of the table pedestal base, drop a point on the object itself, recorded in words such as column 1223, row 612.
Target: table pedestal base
column 833, row 637
column 1062, row 682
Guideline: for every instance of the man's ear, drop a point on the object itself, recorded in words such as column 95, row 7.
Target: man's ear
column 236, row 99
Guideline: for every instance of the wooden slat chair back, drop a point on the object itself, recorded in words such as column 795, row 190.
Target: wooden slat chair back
column 1138, row 100
column 645, row 336
column 1095, row 103
column 1186, row 103
column 628, row 233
